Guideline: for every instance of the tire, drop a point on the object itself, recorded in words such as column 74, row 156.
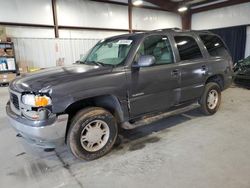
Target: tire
column 92, row 133
column 211, row 89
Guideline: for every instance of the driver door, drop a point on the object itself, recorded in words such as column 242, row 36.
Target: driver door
column 154, row 88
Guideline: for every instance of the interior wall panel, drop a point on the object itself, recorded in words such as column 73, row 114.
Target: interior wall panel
column 45, row 53
column 222, row 17
column 145, row 19
column 29, row 32
column 86, row 13
column 26, row 11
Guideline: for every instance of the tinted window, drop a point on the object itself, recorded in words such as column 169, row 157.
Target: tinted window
column 214, row 45
column 188, row 48
column 159, row 47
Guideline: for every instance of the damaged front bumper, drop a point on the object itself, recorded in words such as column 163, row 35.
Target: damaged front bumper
column 48, row 133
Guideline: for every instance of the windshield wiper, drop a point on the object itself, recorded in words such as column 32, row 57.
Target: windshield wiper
column 97, row 63
column 79, row 61
column 93, row 62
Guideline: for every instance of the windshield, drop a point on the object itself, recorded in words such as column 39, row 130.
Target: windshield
column 110, row 52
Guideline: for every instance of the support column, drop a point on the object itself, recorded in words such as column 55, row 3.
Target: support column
column 186, row 20
column 55, row 18
column 130, row 16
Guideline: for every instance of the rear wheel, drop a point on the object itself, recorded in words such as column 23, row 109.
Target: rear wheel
column 92, row 133
column 211, row 98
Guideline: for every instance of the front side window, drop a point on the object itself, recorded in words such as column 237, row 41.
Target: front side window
column 110, row 52
column 188, row 48
column 159, row 47
column 214, row 45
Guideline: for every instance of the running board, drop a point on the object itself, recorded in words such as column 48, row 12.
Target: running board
column 149, row 120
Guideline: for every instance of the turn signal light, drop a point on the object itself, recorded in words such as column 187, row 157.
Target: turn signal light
column 42, row 101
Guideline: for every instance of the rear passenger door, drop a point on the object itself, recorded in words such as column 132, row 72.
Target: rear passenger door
column 192, row 65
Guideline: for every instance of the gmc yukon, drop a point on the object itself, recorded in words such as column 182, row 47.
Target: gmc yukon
column 122, row 79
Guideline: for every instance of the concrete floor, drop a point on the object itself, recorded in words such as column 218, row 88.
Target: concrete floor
column 188, row 150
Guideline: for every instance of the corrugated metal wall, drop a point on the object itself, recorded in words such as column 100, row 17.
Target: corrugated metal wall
column 44, row 53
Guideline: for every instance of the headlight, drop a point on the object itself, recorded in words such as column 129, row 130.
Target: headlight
column 36, row 100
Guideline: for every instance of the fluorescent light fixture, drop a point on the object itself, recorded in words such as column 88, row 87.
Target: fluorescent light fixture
column 182, row 9
column 137, row 2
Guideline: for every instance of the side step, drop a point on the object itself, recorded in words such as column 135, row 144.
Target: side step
column 148, row 120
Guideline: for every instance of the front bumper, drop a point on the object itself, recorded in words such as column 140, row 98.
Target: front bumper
column 47, row 134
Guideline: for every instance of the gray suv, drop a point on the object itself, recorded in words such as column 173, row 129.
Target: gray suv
column 122, row 79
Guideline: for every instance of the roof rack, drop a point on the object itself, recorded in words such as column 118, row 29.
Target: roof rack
column 167, row 29
column 204, row 31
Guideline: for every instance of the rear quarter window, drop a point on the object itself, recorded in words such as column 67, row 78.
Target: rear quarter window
column 188, row 48
column 214, row 45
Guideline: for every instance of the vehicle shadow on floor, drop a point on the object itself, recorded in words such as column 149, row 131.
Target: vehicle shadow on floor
column 137, row 138
column 161, row 125
column 242, row 85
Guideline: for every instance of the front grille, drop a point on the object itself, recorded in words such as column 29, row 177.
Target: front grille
column 14, row 100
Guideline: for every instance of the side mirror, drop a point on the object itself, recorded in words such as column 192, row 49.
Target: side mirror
column 145, row 61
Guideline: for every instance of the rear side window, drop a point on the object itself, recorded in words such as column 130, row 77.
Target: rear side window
column 188, row 48
column 214, row 45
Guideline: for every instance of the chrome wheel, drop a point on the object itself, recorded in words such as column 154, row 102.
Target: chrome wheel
column 212, row 99
column 95, row 135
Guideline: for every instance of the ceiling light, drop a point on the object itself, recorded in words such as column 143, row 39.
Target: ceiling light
column 182, row 9
column 137, row 2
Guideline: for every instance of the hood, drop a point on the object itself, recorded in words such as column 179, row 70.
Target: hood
column 243, row 69
column 243, row 72
column 47, row 78
column 243, row 66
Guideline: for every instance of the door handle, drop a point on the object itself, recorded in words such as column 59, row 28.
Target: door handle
column 204, row 67
column 175, row 73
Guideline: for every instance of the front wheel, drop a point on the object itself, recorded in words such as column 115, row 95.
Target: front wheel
column 92, row 133
column 211, row 98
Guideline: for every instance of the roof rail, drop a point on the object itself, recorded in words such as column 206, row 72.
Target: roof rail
column 167, row 29
column 205, row 31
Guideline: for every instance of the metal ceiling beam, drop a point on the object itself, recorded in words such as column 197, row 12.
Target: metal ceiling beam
column 90, row 28
column 219, row 5
column 164, row 4
column 111, row 2
column 199, row 2
column 26, row 24
column 126, row 4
